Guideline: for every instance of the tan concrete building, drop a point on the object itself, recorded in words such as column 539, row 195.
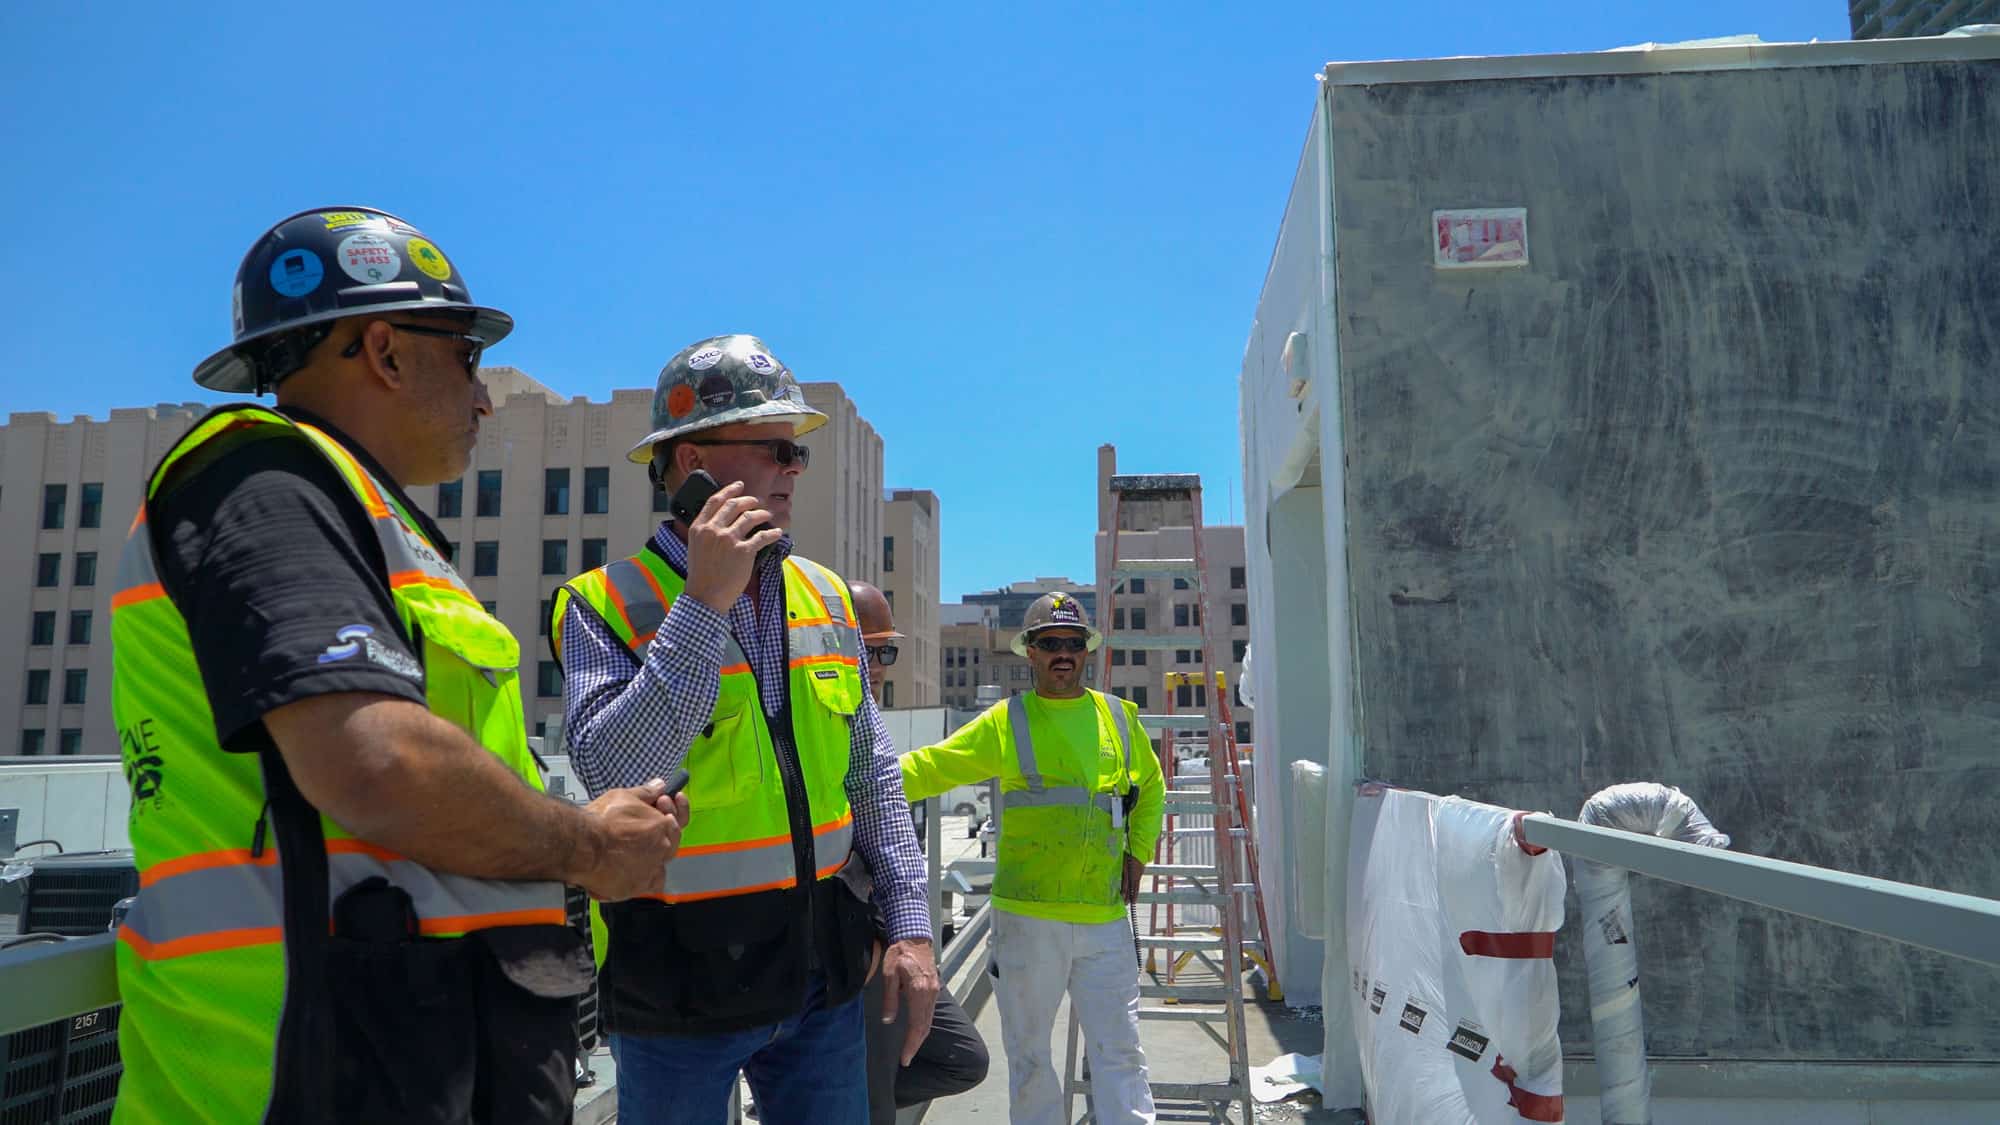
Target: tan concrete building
column 1160, row 530
column 911, row 531
column 549, row 495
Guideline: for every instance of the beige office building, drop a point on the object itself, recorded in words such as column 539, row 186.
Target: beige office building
column 549, row 495
column 911, row 530
column 1160, row 530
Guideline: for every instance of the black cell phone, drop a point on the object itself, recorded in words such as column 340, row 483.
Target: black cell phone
column 693, row 493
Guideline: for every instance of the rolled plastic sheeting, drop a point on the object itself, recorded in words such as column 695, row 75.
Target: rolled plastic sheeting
column 1610, row 949
column 1308, row 840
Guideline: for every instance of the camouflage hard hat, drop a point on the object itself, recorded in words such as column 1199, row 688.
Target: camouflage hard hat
column 719, row 381
column 1054, row 611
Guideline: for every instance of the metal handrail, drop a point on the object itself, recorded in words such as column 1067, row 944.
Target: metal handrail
column 1961, row 925
column 49, row 981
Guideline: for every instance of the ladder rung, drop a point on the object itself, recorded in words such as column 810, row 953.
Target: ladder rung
column 1190, row 808
column 1179, row 1091
column 1154, row 568
column 1154, row 640
column 1187, row 994
column 1238, row 833
column 1184, row 870
column 1185, row 720
column 1185, row 898
column 1185, row 1015
column 1211, row 942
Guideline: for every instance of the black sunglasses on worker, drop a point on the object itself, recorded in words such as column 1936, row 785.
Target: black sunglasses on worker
column 881, row 656
column 1061, row 644
column 471, row 359
column 783, row 450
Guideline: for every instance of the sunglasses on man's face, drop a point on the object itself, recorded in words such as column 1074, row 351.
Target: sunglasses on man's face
column 882, row 656
column 470, row 359
column 1061, row 644
column 784, row 451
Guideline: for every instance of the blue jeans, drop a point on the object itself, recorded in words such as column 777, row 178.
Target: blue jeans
column 812, row 1067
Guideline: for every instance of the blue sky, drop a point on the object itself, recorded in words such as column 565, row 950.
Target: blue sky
column 1011, row 232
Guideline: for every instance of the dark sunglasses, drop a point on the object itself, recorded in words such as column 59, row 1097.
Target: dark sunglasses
column 784, row 451
column 882, row 655
column 471, row 359
column 1061, row 644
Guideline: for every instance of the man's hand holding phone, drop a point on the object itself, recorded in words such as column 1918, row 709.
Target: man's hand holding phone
column 634, row 834
column 723, row 538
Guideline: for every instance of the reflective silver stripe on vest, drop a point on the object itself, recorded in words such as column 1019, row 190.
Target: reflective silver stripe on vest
column 720, row 870
column 1036, row 795
column 835, row 637
column 407, row 551
column 643, row 609
column 135, row 562
column 216, row 902
column 829, row 589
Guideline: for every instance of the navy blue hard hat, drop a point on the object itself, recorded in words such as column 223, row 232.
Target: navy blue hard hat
column 319, row 266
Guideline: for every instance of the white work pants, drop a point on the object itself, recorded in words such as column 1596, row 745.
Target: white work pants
column 1039, row 960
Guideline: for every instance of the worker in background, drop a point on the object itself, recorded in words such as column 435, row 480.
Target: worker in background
column 1081, row 796
column 952, row 1058
column 353, row 904
column 716, row 647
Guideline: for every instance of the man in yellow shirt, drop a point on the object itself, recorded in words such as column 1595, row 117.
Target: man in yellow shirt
column 1080, row 801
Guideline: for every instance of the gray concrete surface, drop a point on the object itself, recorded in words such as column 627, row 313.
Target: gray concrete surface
column 1704, row 495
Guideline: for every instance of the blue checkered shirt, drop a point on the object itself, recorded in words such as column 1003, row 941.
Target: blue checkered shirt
column 628, row 720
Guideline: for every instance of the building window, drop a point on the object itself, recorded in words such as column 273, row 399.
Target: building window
column 1117, row 619
column 890, row 597
column 31, row 742
column 1180, row 583
column 492, row 608
column 1191, row 696
column 451, row 499
column 1237, row 649
column 70, row 741
column 42, row 629
column 594, row 554
column 663, row 502
column 555, row 556
column 1139, row 696
column 1139, row 657
column 1242, row 732
column 555, row 492
column 1181, row 656
column 55, row 500
column 888, row 694
column 1118, row 690
column 542, row 618
column 90, row 506
column 1117, row 658
column 488, row 499
column 79, row 626
column 1236, row 578
column 76, row 684
column 86, row 568
column 1138, row 617
column 888, row 554
column 548, row 679
column 596, row 491
column 48, row 569
column 1138, row 585
column 1239, row 614
column 486, row 558
column 451, row 551
column 38, row 687
column 1187, row 615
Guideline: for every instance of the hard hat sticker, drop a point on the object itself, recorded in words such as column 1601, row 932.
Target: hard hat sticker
column 704, row 359
column 680, row 401
column 236, row 310
column 296, row 273
column 717, row 390
column 368, row 258
column 428, row 258
column 761, row 363
column 341, row 220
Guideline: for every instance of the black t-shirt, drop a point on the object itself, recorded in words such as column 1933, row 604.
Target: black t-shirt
column 271, row 558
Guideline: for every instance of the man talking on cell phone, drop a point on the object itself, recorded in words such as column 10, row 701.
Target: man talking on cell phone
column 717, row 648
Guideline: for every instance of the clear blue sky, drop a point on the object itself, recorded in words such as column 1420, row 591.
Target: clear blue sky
column 1012, row 232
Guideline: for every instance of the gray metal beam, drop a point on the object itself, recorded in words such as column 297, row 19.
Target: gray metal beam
column 1961, row 925
column 49, row 981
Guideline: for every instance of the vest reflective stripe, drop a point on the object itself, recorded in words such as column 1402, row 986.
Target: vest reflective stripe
column 748, row 866
column 410, row 560
column 138, row 581
column 636, row 596
column 1036, row 795
column 224, row 900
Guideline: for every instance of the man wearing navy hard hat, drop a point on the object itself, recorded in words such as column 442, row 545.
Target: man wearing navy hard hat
column 352, row 904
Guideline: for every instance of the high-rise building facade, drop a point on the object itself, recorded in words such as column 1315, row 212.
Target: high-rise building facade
column 1902, row 19
column 549, row 495
column 909, row 566
column 1160, row 530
